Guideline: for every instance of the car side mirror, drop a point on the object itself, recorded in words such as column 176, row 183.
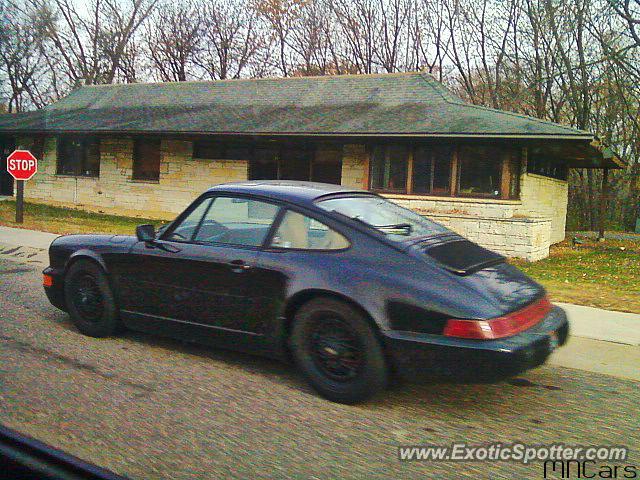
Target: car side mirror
column 146, row 233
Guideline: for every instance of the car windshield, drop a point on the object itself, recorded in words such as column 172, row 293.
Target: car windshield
column 396, row 222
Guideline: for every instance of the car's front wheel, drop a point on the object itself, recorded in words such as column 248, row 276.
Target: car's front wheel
column 338, row 351
column 90, row 300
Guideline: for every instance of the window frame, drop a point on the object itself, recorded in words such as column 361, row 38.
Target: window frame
column 507, row 153
column 408, row 168
column 501, row 172
column 276, row 225
column 84, row 141
column 213, row 196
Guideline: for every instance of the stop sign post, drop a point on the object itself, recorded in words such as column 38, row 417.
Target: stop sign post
column 22, row 165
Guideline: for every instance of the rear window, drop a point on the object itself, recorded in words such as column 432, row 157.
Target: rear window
column 397, row 222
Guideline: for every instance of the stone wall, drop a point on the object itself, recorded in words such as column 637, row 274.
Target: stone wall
column 545, row 197
column 355, row 164
column 182, row 178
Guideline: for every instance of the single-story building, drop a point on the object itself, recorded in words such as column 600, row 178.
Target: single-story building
column 496, row 177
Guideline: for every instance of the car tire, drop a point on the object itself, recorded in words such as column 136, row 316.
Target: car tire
column 347, row 363
column 90, row 300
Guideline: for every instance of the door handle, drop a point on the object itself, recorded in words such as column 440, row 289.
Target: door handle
column 239, row 266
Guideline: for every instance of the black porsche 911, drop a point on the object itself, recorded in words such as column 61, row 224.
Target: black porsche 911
column 352, row 287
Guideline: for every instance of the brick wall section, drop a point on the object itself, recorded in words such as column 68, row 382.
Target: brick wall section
column 182, row 178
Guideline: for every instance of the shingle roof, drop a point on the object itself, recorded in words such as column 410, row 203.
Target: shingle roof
column 411, row 104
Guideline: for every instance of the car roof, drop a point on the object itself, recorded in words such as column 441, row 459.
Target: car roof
column 287, row 190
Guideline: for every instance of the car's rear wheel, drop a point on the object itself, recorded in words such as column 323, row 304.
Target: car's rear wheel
column 338, row 351
column 90, row 300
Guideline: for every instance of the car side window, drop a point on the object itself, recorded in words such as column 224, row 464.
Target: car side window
column 301, row 232
column 236, row 221
column 187, row 228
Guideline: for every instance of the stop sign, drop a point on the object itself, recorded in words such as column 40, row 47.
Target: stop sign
column 22, row 165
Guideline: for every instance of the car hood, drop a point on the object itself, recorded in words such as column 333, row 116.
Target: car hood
column 90, row 240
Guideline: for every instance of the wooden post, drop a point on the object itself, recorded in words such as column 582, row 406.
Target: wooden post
column 409, row 186
column 19, row 201
column 453, row 186
column 604, row 196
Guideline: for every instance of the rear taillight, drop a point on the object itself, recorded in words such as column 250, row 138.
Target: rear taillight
column 499, row 327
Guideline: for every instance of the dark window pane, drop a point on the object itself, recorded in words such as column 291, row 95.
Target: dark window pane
column 91, row 166
column 377, row 168
column 208, row 149
column 480, row 171
column 442, row 170
column 264, row 164
column 540, row 164
column 78, row 156
column 388, row 170
column 397, row 168
column 237, row 151
column 514, row 174
column 432, row 169
column 146, row 159
column 69, row 156
column 295, row 162
column 327, row 165
column 422, row 170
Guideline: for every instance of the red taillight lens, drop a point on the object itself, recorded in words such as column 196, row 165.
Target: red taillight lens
column 499, row 327
column 47, row 280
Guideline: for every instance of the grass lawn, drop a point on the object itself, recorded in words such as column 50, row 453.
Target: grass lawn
column 68, row 220
column 597, row 274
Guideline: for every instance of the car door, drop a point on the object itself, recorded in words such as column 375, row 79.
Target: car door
column 201, row 269
column 302, row 253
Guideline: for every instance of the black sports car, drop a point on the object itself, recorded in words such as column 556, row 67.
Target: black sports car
column 354, row 288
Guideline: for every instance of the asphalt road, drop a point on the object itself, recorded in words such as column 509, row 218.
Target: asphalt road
column 149, row 408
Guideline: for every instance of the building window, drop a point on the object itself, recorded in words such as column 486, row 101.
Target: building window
column 480, row 170
column 388, row 169
column 146, row 159
column 326, row 166
column 208, row 149
column 540, row 165
column 443, row 170
column 294, row 162
column 218, row 150
column 432, row 170
column 264, row 164
column 78, row 156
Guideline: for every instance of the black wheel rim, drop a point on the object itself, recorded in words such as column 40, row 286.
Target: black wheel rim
column 336, row 349
column 87, row 297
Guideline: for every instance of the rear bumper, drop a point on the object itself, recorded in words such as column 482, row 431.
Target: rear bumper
column 418, row 357
column 55, row 293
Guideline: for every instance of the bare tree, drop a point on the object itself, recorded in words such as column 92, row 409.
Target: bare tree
column 90, row 47
column 173, row 35
column 21, row 62
column 233, row 44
